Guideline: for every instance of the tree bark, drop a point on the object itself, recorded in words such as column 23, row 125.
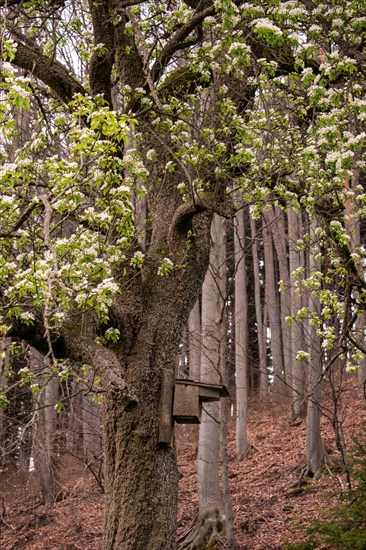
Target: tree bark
column 4, row 374
column 315, row 451
column 194, row 342
column 274, row 315
column 45, row 430
column 298, row 371
column 259, row 315
column 281, row 245
column 241, row 336
column 210, row 520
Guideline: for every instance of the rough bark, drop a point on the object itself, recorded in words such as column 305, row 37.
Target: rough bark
column 51, row 72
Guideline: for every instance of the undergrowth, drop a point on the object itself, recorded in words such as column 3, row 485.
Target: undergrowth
column 345, row 528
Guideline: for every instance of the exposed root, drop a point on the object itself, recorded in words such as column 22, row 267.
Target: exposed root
column 205, row 532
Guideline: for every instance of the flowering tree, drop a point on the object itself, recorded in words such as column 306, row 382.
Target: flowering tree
column 108, row 103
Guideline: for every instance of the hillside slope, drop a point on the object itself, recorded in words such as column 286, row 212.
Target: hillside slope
column 270, row 499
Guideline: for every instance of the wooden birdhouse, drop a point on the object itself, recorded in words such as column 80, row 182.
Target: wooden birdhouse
column 190, row 395
column 182, row 402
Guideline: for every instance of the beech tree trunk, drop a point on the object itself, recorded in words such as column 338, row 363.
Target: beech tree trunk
column 194, row 342
column 297, row 341
column 274, row 314
column 241, row 336
column 211, row 508
column 209, row 493
column 281, row 245
column 91, row 424
column 314, row 445
column 45, row 431
column 259, row 315
column 4, row 368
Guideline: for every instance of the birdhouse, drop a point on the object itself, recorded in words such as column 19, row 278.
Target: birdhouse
column 181, row 401
column 190, row 395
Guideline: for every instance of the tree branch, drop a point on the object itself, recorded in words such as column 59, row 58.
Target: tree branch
column 209, row 203
column 177, row 41
column 51, row 72
column 84, row 349
column 23, row 217
column 101, row 63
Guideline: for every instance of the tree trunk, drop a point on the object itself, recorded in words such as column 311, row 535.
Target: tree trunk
column 274, row 314
column 45, row 432
column 211, row 514
column 141, row 477
column 74, row 429
column 91, row 423
column 4, row 374
column 241, row 336
column 259, row 315
column 360, row 326
column 314, row 446
column 194, row 342
column 280, row 242
column 298, row 372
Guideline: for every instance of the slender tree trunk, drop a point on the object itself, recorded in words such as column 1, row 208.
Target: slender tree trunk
column 194, row 340
column 360, row 326
column 354, row 230
column 91, row 424
column 45, row 431
column 241, row 336
column 225, row 404
column 210, row 502
column 274, row 314
column 298, row 370
column 229, row 513
column 75, row 430
column 280, row 241
column 4, row 368
column 263, row 381
column 211, row 509
column 314, row 446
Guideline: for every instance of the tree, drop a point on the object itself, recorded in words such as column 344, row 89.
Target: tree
column 315, row 452
column 44, row 448
column 211, row 518
column 261, row 336
column 201, row 88
column 273, row 309
column 241, row 337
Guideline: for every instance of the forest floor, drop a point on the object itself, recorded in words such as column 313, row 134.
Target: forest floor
column 269, row 495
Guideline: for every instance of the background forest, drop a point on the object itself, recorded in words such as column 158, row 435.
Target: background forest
column 182, row 196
